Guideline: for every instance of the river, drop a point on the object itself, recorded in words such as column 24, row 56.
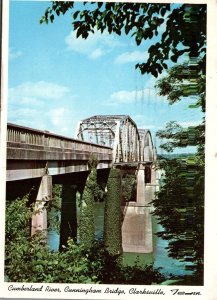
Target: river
column 159, row 256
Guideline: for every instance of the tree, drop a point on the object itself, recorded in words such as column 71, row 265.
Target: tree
column 184, row 80
column 182, row 216
column 29, row 259
column 184, row 33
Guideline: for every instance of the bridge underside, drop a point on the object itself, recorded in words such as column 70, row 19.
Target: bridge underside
column 22, row 187
column 20, row 170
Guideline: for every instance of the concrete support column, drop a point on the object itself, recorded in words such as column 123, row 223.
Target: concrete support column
column 39, row 218
column 157, row 181
column 153, row 175
column 68, row 227
column 140, row 195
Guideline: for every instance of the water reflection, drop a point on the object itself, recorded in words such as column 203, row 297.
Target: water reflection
column 161, row 258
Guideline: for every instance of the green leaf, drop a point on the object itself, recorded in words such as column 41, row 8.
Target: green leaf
column 75, row 15
column 174, row 58
column 79, row 32
column 52, row 18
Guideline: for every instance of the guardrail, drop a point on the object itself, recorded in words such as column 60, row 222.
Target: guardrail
column 25, row 135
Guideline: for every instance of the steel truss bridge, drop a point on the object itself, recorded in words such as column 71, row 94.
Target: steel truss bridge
column 119, row 132
column 44, row 158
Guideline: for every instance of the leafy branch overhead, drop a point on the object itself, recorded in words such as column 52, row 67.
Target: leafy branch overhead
column 179, row 204
column 179, row 137
column 181, row 29
column 183, row 81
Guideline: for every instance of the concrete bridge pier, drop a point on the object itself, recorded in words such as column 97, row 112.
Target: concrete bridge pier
column 39, row 218
column 137, row 220
column 140, row 195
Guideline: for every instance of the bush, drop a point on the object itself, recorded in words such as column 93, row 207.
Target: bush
column 28, row 259
column 108, row 269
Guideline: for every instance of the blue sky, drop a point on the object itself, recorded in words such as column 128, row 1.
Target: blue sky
column 55, row 80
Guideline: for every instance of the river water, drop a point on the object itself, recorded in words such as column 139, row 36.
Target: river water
column 159, row 256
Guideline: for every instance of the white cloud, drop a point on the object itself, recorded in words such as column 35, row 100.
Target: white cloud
column 61, row 119
column 33, row 104
column 57, row 120
column 40, row 89
column 128, row 57
column 96, row 53
column 31, row 92
column 23, row 113
column 145, row 122
column 25, row 116
column 14, row 54
column 29, row 101
column 123, row 97
column 95, row 46
column 57, row 115
column 127, row 97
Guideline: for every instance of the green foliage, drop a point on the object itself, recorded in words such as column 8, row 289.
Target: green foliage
column 143, row 275
column 105, row 266
column 112, row 226
column 183, row 81
column 185, row 27
column 68, row 266
column 98, row 191
column 182, row 216
column 28, row 259
column 54, row 209
column 92, row 163
column 87, row 222
column 108, row 269
column 128, row 187
column 179, row 137
column 17, row 216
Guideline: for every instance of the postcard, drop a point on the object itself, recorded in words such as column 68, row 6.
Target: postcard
column 108, row 149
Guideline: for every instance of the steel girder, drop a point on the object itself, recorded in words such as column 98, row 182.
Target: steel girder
column 120, row 133
column 147, row 148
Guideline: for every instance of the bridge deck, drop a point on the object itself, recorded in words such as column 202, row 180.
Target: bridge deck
column 31, row 153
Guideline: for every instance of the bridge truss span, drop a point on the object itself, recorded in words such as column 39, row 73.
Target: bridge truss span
column 116, row 131
column 119, row 132
column 147, row 148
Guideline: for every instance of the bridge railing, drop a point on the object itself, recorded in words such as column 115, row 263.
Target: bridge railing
column 25, row 135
